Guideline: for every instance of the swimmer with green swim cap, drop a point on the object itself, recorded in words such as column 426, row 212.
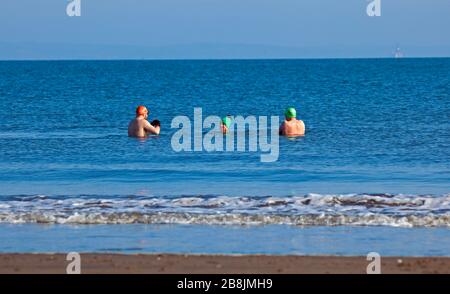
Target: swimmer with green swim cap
column 226, row 122
column 290, row 112
column 292, row 126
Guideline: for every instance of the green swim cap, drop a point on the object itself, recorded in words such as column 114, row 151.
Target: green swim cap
column 226, row 121
column 290, row 112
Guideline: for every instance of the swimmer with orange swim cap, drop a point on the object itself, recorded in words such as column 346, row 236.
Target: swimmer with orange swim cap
column 140, row 127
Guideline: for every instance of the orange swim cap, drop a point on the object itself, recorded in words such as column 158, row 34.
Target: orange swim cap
column 141, row 110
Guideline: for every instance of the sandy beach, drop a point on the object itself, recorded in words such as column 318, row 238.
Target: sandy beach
column 217, row 264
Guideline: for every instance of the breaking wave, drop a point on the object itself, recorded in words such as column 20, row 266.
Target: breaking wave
column 306, row 210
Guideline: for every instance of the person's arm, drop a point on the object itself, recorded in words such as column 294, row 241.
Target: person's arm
column 151, row 129
column 302, row 127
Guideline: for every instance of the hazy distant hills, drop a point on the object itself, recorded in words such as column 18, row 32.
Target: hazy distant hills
column 28, row 51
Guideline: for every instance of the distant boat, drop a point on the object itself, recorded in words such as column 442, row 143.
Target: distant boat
column 398, row 53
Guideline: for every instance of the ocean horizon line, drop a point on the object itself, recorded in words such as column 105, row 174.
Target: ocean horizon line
column 222, row 59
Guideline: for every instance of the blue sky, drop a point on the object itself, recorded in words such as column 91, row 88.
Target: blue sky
column 31, row 29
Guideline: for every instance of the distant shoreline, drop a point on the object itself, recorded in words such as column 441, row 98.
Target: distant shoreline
column 93, row 263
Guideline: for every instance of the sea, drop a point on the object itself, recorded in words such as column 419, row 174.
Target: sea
column 372, row 172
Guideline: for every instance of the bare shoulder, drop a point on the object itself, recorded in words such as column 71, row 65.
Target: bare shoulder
column 301, row 126
column 146, row 123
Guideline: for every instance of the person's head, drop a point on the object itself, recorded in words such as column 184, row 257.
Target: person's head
column 290, row 113
column 226, row 121
column 141, row 111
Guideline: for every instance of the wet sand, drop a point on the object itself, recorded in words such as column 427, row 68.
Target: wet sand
column 216, row 264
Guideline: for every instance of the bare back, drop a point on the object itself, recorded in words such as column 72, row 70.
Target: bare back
column 140, row 127
column 293, row 127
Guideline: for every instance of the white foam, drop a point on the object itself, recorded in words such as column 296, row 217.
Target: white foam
column 311, row 209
